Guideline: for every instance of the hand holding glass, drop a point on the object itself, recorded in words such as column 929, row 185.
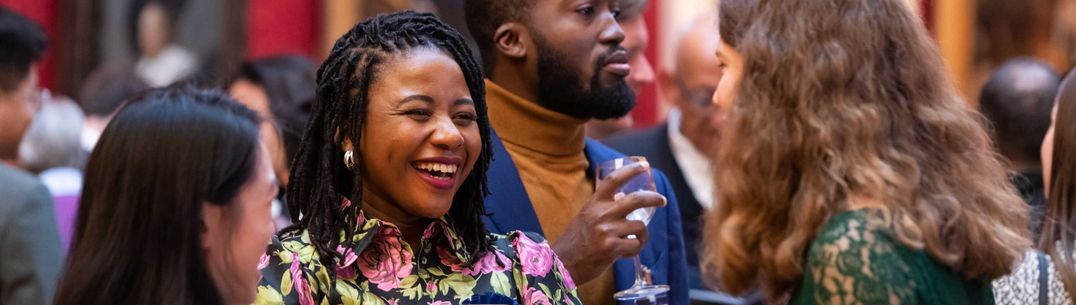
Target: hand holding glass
column 641, row 182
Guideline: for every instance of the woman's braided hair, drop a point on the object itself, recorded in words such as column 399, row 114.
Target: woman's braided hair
column 320, row 180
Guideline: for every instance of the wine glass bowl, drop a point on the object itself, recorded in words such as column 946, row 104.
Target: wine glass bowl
column 642, row 289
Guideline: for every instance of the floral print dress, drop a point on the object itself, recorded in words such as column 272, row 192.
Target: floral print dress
column 383, row 269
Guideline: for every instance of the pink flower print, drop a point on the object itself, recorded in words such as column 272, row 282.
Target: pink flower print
column 568, row 282
column 431, row 286
column 301, row 287
column 344, row 269
column 385, row 262
column 449, row 259
column 535, row 297
column 430, row 231
column 440, row 303
column 393, row 301
column 535, row 258
column 493, row 261
column 263, row 261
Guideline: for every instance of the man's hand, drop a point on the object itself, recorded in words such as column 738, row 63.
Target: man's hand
column 598, row 235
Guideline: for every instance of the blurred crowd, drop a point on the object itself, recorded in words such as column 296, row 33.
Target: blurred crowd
column 806, row 152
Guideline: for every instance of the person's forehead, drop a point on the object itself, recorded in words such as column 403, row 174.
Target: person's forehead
column 697, row 57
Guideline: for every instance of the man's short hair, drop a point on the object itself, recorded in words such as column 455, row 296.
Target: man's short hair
column 107, row 88
column 483, row 19
column 21, row 44
column 1017, row 99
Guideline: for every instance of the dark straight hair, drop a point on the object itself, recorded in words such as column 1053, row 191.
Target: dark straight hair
column 138, row 234
column 1059, row 227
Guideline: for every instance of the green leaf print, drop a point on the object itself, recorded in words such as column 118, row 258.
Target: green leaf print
column 500, row 283
column 459, row 283
column 323, row 277
column 409, row 281
column 436, row 271
column 545, row 289
column 369, row 298
column 348, row 294
column 267, row 295
column 285, row 257
column 285, row 283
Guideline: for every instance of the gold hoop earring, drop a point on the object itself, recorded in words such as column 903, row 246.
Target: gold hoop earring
column 349, row 160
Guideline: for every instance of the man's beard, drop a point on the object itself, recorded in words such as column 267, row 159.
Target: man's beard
column 560, row 88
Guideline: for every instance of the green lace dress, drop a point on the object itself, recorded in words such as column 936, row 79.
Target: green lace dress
column 856, row 260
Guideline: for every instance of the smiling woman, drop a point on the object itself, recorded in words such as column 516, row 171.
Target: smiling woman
column 387, row 188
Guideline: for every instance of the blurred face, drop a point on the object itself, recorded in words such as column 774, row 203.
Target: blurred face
column 153, row 29
column 1047, row 151
column 636, row 39
column 420, row 139
column 17, row 109
column 731, row 64
column 698, row 73
column 581, row 65
column 253, row 96
column 236, row 234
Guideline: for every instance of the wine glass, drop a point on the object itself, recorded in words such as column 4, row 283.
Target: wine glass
column 642, row 289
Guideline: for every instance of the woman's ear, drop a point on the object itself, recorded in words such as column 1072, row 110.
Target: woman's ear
column 512, row 39
column 345, row 142
column 212, row 225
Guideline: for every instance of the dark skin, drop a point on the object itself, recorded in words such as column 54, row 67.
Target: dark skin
column 581, row 29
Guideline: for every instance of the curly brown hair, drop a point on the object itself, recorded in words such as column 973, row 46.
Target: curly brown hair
column 844, row 102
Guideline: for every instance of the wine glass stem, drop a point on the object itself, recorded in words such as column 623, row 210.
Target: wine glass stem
column 640, row 273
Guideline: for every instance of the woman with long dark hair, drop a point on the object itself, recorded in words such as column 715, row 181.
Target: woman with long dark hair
column 1048, row 276
column 849, row 169
column 176, row 205
column 387, row 188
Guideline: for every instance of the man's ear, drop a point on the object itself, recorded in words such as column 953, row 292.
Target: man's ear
column 669, row 89
column 512, row 40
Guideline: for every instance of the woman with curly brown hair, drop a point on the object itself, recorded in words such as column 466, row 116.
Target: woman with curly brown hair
column 849, row 170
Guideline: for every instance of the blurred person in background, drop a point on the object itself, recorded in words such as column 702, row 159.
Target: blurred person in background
column 176, row 205
column 1016, row 101
column 101, row 95
column 850, row 171
column 636, row 39
column 52, row 150
column 281, row 90
column 28, row 231
column 1047, row 275
column 161, row 62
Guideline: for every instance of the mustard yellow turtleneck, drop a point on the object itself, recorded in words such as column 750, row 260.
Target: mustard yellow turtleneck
column 547, row 148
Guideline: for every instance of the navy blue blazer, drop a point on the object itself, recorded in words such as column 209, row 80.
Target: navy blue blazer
column 510, row 209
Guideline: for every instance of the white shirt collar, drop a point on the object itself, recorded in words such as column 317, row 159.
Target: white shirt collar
column 695, row 165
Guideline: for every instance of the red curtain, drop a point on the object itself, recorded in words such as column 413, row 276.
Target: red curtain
column 282, row 27
column 645, row 113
